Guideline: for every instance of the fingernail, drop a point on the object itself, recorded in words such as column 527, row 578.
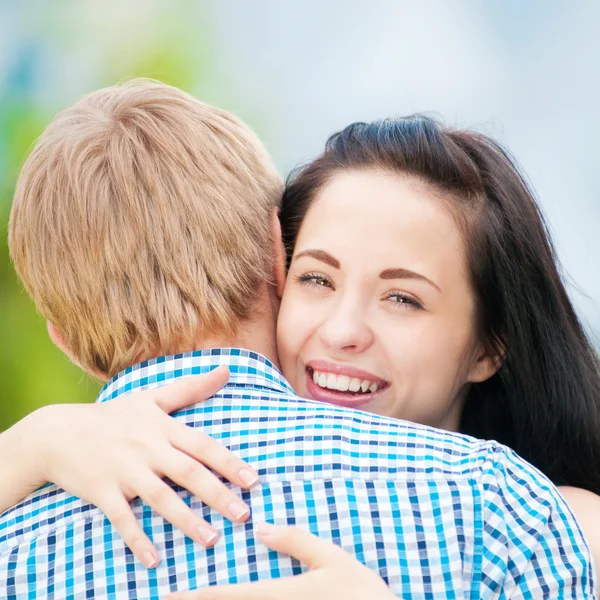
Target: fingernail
column 248, row 477
column 238, row 510
column 206, row 534
column 267, row 529
column 149, row 559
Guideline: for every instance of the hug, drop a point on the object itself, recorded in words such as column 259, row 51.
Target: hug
column 379, row 385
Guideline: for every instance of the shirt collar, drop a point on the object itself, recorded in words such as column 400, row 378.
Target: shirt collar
column 247, row 368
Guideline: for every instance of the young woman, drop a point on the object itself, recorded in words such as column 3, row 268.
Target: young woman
column 422, row 285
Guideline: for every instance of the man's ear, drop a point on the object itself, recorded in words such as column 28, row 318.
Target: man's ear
column 278, row 252
column 59, row 341
column 488, row 363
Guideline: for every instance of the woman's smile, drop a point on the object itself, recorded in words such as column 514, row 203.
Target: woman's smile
column 343, row 385
column 389, row 330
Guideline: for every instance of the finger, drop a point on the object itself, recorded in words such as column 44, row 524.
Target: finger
column 196, row 478
column 309, row 549
column 288, row 588
column 212, row 453
column 190, row 390
column 169, row 505
column 119, row 513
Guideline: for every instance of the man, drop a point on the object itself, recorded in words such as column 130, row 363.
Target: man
column 144, row 225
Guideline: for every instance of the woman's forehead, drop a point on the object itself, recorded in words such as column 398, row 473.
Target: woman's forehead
column 372, row 214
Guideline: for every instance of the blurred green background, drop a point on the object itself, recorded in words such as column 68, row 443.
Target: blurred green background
column 525, row 72
column 62, row 50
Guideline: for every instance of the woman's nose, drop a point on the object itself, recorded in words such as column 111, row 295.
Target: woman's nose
column 346, row 332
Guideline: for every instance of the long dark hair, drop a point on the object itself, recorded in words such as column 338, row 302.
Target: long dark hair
column 544, row 401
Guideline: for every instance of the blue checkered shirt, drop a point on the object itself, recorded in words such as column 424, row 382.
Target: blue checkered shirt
column 437, row 515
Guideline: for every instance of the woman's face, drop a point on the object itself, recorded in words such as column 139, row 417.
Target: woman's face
column 378, row 312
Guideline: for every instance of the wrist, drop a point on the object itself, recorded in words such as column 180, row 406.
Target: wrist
column 22, row 460
column 29, row 444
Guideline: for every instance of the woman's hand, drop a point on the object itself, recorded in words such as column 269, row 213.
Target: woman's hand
column 333, row 573
column 112, row 452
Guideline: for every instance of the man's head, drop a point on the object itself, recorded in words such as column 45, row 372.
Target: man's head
column 142, row 222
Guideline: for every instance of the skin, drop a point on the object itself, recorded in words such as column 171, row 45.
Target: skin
column 412, row 330
column 415, row 331
column 332, row 573
column 141, row 445
column 401, row 312
column 586, row 507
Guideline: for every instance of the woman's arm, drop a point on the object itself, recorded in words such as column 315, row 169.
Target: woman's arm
column 21, row 470
column 112, row 452
column 586, row 507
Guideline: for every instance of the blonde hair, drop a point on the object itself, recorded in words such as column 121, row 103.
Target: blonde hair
column 141, row 220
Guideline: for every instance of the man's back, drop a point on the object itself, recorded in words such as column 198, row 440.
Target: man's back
column 436, row 514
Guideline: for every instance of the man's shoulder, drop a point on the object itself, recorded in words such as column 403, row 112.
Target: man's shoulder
column 287, row 438
column 257, row 422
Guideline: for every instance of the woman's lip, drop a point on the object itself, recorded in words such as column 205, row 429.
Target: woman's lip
column 316, row 392
column 327, row 367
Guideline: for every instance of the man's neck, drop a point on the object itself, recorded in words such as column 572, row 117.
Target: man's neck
column 257, row 335
column 256, row 339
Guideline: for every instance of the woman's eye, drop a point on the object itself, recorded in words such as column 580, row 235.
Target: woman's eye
column 399, row 300
column 316, row 280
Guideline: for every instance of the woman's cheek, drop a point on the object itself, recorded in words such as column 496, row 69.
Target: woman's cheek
column 293, row 332
column 301, row 316
column 413, row 353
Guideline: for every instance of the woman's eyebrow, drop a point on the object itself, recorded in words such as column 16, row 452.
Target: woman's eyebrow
column 322, row 256
column 405, row 274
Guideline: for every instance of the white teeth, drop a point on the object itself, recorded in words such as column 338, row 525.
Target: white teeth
column 332, row 381
column 343, row 383
column 354, row 384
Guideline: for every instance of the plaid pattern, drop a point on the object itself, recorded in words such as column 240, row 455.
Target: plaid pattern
column 438, row 515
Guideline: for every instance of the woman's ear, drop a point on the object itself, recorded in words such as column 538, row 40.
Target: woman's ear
column 488, row 363
column 278, row 252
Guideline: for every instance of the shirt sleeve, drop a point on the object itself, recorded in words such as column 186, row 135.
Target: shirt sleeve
column 531, row 534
